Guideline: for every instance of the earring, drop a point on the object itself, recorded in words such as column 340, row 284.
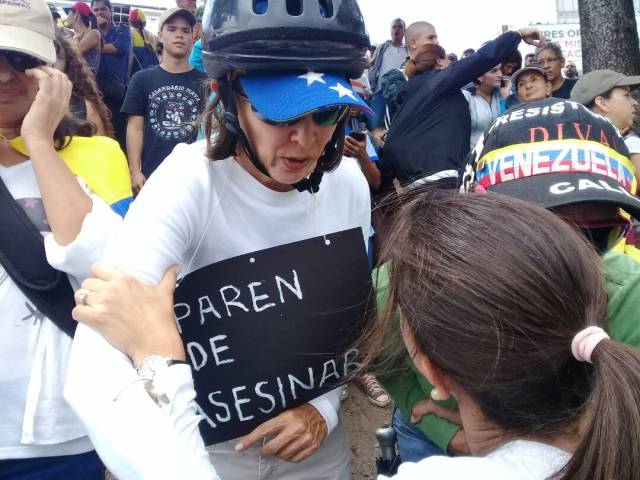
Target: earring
column 436, row 395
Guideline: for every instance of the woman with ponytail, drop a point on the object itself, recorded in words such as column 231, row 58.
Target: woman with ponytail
column 86, row 38
column 512, row 330
column 507, row 321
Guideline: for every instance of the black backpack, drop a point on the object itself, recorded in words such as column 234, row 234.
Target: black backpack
column 22, row 255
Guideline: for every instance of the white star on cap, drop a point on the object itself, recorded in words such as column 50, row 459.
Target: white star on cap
column 312, row 77
column 343, row 91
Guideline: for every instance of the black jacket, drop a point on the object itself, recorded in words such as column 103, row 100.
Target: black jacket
column 430, row 133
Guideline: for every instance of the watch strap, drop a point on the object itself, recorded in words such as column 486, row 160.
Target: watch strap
column 171, row 362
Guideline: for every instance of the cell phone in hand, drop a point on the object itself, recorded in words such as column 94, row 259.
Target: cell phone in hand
column 358, row 136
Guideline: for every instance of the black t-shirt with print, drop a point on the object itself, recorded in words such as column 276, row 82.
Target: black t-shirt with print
column 170, row 104
column 565, row 90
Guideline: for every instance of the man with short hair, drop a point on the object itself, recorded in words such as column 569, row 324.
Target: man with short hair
column 163, row 102
column 529, row 59
column 391, row 54
column 417, row 36
column 428, row 140
column 113, row 73
column 608, row 93
column 420, row 34
column 571, row 71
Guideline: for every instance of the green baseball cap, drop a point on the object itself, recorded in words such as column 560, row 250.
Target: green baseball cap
column 599, row 82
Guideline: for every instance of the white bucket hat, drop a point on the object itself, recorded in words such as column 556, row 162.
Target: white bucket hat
column 26, row 26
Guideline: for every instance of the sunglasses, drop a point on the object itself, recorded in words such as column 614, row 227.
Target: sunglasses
column 605, row 235
column 21, row 61
column 323, row 117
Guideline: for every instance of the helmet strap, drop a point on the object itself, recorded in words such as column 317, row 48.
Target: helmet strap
column 231, row 123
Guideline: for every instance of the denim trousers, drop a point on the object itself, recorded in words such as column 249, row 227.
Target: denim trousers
column 83, row 466
column 413, row 444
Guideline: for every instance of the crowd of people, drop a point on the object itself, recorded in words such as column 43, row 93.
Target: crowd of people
column 493, row 200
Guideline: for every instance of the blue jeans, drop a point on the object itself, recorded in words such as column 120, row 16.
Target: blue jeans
column 413, row 444
column 84, row 466
column 379, row 107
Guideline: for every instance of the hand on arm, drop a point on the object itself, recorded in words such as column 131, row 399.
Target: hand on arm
column 358, row 150
column 458, row 444
column 136, row 318
column 65, row 203
column 110, row 49
column 135, row 140
column 297, row 434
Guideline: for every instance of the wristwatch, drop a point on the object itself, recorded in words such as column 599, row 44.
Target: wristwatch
column 147, row 371
column 155, row 363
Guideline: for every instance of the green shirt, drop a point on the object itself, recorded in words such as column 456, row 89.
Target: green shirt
column 407, row 387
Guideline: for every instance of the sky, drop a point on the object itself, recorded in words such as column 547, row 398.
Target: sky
column 460, row 24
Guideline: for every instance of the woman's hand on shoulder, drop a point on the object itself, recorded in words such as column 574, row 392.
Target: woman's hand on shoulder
column 136, row 318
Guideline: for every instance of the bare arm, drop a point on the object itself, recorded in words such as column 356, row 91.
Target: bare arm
column 131, row 58
column 93, row 117
column 110, row 49
column 89, row 41
column 358, row 150
column 135, row 140
column 65, row 203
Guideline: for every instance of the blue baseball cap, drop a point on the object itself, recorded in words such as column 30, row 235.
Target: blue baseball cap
column 284, row 96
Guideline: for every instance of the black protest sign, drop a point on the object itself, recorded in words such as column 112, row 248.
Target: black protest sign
column 273, row 329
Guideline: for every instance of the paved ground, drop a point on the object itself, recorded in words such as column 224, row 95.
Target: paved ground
column 361, row 419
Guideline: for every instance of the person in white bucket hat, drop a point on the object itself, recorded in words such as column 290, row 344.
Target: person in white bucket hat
column 46, row 240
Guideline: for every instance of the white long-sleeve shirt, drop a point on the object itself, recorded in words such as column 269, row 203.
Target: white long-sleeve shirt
column 34, row 420
column 194, row 212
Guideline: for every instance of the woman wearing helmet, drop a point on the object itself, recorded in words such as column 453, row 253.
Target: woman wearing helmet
column 269, row 174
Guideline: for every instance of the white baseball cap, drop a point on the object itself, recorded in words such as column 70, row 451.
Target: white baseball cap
column 26, row 26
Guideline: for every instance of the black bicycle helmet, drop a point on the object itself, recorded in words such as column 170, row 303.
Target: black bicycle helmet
column 277, row 35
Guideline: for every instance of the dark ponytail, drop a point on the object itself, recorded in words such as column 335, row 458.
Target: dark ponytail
column 611, row 425
column 493, row 290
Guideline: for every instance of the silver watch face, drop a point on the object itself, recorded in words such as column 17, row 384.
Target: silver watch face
column 151, row 365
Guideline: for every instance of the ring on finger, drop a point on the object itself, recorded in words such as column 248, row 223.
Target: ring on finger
column 82, row 297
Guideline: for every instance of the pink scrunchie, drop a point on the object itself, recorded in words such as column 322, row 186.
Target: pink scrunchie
column 585, row 341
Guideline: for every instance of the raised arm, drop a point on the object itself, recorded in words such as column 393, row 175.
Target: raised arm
column 460, row 73
column 66, row 204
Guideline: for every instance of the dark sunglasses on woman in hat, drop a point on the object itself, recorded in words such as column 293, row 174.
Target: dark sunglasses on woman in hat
column 323, row 117
column 606, row 234
column 21, row 61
